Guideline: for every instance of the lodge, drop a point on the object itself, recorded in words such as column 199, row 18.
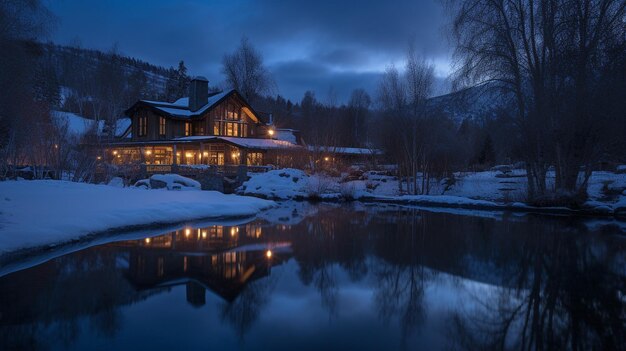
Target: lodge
column 205, row 129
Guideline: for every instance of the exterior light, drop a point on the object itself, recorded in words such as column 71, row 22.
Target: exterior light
column 271, row 132
column 148, row 240
column 119, row 156
column 188, row 154
column 205, row 154
column 187, row 232
column 56, row 146
column 204, row 234
column 326, row 159
column 232, row 232
column 148, row 152
column 99, row 158
column 114, row 152
column 268, row 253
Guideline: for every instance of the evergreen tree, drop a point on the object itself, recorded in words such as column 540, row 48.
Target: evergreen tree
column 177, row 83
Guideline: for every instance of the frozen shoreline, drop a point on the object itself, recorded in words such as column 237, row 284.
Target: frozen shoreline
column 39, row 214
column 488, row 190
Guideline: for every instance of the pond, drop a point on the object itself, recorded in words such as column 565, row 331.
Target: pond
column 315, row 277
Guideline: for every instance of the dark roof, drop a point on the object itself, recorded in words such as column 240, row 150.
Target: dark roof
column 180, row 108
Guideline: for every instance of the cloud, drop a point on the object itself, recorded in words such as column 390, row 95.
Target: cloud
column 307, row 45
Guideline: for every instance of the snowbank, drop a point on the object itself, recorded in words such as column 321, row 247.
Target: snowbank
column 502, row 188
column 38, row 213
column 283, row 184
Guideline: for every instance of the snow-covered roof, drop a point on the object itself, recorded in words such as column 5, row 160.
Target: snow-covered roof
column 286, row 135
column 121, row 126
column 345, row 150
column 180, row 107
column 251, row 143
column 76, row 125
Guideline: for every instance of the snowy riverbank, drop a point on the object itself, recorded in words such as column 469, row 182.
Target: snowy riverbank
column 41, row 213
column 487, row 190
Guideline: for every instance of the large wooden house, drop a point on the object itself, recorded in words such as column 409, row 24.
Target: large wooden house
column 219, row 129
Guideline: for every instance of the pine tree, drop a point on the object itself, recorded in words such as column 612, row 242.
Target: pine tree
column 177, row 83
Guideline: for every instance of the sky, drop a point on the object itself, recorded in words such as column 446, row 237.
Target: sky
column 327, row 46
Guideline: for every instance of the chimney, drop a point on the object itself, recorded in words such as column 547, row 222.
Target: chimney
column 198, row 93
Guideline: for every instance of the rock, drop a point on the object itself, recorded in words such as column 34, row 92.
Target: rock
column 157, row 184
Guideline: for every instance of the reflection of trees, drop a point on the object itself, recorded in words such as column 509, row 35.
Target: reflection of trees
column 400, row 275
column 565, row 296
column 327, row 242
column 246, row 308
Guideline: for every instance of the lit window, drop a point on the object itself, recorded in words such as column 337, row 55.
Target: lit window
column 187, row 129
column 143, row 126
column 162, row 126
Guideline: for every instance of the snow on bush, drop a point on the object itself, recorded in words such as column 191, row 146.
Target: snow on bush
column 169, row 181
column 116, row 182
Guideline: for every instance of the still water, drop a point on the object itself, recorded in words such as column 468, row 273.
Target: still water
column 319, row 277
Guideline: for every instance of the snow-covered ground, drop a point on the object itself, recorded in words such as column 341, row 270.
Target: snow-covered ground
column 493, row 188
column 41, row 213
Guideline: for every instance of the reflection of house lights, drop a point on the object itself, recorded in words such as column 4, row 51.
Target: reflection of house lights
column 268, row 253
column 147, row 240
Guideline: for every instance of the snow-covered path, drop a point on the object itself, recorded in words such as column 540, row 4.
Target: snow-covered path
column 39, row 213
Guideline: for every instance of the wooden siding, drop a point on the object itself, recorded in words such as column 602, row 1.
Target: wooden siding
column 203, row 125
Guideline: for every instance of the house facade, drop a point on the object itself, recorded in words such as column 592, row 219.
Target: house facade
column 213, row 129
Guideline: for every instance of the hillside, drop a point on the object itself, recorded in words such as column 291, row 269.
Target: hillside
column 475, row 104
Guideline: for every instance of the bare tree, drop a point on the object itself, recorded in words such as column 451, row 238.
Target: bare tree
column 245, row 72
column 551, row 55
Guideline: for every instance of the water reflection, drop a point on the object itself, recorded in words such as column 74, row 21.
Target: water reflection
column 399, row 278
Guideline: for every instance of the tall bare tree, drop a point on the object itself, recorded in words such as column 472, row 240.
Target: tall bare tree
column 245, row 71
column 551, row 55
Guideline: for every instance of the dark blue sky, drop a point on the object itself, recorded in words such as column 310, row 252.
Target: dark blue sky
column 318, row 45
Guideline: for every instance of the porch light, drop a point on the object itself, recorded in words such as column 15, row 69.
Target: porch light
column 205, row 154
column 326, row 159
column 204, row 233
column 232, row 232
column 148, row 240
column 268, row 253
column 187, row 232
column 188, row 154
column 114, row 152
column 271, row 132
column 148, row 152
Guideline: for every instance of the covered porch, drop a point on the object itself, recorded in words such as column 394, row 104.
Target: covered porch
column 200, row 153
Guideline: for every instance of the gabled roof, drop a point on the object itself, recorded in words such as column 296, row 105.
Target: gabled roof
column 180, row 108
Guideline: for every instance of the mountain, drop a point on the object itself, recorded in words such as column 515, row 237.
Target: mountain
column 475, row 104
